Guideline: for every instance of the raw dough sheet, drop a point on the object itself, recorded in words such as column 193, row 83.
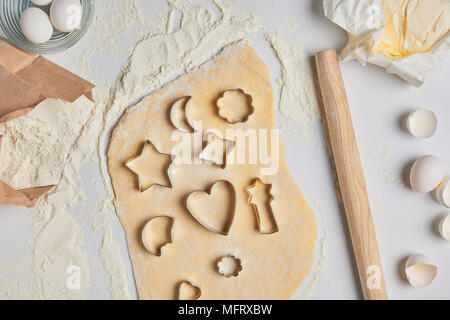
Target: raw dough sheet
column 273, row 265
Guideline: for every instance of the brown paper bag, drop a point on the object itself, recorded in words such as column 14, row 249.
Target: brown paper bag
column 25, row 80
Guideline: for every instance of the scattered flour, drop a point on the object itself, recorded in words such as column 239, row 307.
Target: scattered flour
column 298, row 98
column 321, row 266
column 180, row 38
column 57, row 249
column 322, row 263
column 15, row 285
column 112, row 260
column 35, row 147
column 381, row 158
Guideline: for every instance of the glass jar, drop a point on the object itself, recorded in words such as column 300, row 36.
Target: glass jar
column 10, row 12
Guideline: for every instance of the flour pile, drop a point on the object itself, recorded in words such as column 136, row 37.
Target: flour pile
column 181, row 38
column 35, row 147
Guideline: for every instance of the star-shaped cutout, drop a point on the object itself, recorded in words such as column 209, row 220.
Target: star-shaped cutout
column 261, row 198
column 216, row 149
column 151, row 167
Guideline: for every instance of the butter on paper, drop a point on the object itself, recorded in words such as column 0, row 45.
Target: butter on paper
column 405, row 37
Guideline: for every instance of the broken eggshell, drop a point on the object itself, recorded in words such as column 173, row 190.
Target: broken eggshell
column 444, row 227
column 419, row 270
column 426, row 174
column 422, row 123
column 443, row 193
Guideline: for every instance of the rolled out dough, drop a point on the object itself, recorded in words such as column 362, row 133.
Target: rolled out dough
column 273, row 265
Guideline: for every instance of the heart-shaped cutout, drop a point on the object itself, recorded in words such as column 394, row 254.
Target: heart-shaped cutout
column 187, row 291
column 214, row 208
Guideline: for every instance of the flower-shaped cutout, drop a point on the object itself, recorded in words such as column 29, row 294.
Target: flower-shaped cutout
column 235, row 106
column 229, row 266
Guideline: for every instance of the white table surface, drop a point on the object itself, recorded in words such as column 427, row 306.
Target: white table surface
column 404, row 220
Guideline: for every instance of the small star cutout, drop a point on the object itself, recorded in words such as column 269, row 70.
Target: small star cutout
column 151, row 167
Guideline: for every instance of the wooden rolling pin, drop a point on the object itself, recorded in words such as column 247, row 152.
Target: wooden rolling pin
column 350, row 176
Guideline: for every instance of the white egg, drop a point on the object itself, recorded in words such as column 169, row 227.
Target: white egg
column 426, row 174
column 66, row 14
column 42, row 2
column 35, row 25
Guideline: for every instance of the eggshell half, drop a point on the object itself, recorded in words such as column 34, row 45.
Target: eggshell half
column 419, row 270
column 443, row 194
column 444, row 227
column 422, row 123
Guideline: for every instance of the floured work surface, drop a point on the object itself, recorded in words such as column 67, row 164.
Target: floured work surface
column 221, row 220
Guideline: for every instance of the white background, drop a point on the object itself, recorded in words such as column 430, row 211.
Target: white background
column 405, row 221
